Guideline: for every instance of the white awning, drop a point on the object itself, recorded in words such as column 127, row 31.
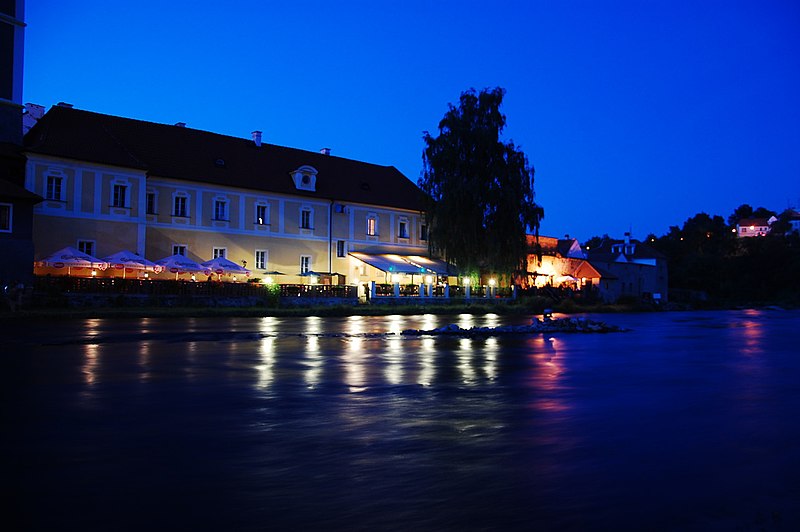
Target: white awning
column 408, row 264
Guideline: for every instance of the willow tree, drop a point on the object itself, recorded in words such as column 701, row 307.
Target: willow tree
column 480, row 189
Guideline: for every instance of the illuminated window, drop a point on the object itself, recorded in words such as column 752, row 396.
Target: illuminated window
column 5, row 217
column 119, row 197
column 261, row 259
column 372, row 225
column 54, row 191
column 305, row 263
column 262, row 215
column 218, row 253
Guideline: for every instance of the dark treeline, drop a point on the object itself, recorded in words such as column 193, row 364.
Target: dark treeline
column 707, row 258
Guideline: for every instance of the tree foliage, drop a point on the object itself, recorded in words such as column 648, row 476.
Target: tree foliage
column 480, row 189
column 706, row 255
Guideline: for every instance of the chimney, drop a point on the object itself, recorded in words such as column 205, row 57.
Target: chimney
column 256, row 138
column 64, row 104
column 180, row 124
column 325, row 151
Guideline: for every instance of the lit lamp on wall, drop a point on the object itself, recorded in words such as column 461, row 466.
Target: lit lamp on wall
column 269, row 280
column 94, row 273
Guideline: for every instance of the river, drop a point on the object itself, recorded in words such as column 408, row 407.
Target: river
column 688, row 421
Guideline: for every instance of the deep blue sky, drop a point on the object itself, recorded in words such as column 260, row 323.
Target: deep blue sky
column 635, row 114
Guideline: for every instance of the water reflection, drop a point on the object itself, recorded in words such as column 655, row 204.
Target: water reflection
column 465, row 354
column 91, row 363
column 266, row 367
column 314, row 362
column 394, row 361
column 354, row 361
column 427, row 359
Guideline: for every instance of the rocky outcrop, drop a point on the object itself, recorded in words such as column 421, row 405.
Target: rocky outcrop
column 548, row 325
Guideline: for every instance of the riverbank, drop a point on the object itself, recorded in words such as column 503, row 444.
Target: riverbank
column 511, row 308
column 520, row 307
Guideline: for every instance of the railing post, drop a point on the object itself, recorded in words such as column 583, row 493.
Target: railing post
column 466, row 291
column 446, row 291
column 421, row 290
column 397, row 289
column 372, row 290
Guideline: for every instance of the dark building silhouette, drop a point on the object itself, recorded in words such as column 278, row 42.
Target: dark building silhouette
column 16, row 203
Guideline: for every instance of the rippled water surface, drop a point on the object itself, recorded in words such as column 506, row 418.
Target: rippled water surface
column 690, row 421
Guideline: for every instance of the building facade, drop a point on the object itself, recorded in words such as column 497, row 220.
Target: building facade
column 112, row 183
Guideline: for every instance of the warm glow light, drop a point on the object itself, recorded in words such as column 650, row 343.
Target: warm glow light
column 492, row 282
column 193, row 278
column 396, row 278
column 466, row 281
column 733, row 230
column 146, row 275
column 752, row 227
column 269, row 280
column 313, row 279
column 94, row 273
column 428, row 279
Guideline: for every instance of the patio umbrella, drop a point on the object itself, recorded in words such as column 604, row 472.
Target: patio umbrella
column 222, row 266
column 129, row 260
column 179, row 264
column 69, row 258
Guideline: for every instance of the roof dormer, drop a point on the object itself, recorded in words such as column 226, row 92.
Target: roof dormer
column 305, row 178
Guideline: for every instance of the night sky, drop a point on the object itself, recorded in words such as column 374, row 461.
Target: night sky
column 636, row 115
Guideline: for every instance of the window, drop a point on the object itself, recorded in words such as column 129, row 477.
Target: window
column 402, row 229
column 5, row 217
column 221, row 210
column 262, row 216
column 119, row 198
column 423, row 232
column 341, row 249
column 179, row 206
column 218, row 253
column 151, row 202
column 53, row 191
column 179, row 249
column 372, row 225
column 305, row 263
column 261, row 259
column 305, row 218
column 86, row 246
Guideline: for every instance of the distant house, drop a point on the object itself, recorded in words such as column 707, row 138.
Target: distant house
column 794, row 223
column 559, row 263
column 750, row 227
column 632, row 269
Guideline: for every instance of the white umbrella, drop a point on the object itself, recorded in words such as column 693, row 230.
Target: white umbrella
column 179, row 264
column 69, row 258
column 222, row 266
column 128, row 259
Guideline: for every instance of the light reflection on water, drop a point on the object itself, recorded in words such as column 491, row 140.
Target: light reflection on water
column 293, row 421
